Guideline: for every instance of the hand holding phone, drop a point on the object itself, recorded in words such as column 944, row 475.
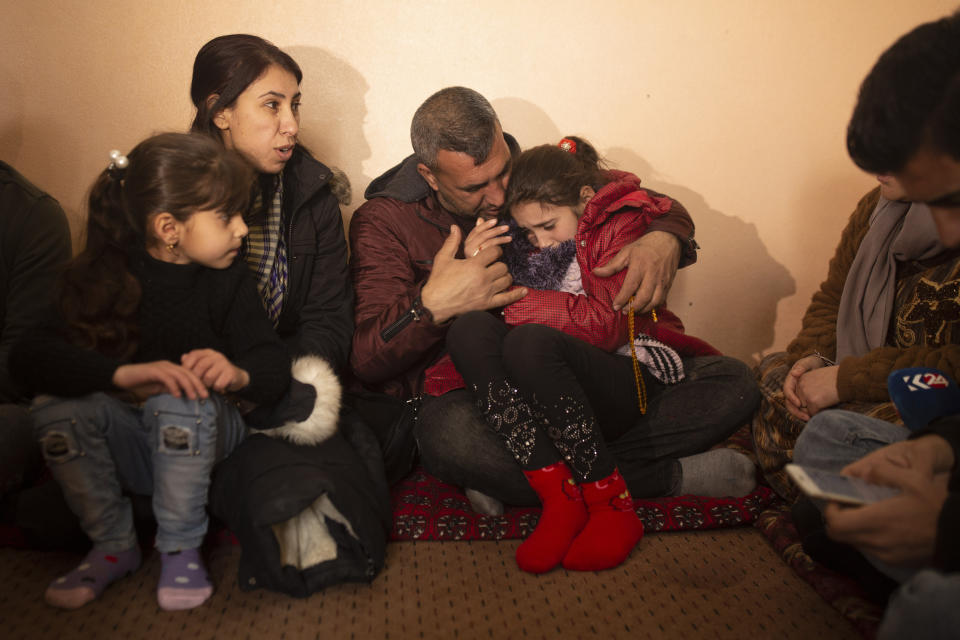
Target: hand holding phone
column 829, row 485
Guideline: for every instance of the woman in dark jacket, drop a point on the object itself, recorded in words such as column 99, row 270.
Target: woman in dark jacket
column 247, row 95
column 278, row 496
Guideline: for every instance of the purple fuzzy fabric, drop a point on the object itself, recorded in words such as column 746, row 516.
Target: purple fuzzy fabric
column 537, row 268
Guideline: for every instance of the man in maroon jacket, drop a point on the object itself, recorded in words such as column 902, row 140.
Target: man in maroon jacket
column 412, row 276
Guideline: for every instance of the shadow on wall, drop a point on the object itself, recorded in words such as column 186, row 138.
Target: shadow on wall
column 15, row 127
column 730, row 296
column 334, row 109
column 527, row 122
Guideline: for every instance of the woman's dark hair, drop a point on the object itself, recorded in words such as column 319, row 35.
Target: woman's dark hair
column 225, row 67
column 554, row 175
column 175, row 173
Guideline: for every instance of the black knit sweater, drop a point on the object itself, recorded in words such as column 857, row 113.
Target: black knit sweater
column 183, row 307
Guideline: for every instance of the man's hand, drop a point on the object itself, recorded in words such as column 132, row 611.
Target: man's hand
column 146, row 379
column 817, row 389
column 900, row 530
column 930, row 454
column 215, row 370
column 474, row 284
column 485, row 234
column 651, row 263
column 795, row 405
column 810, row 387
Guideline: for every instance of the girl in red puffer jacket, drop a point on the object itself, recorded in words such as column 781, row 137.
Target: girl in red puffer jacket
column 548, row 377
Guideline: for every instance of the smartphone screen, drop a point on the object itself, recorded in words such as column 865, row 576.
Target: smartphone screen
column 834, row 486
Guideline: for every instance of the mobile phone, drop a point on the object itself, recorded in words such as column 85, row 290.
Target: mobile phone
column 829, row 485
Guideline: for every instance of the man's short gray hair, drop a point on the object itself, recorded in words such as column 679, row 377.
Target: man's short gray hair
column 454, row 119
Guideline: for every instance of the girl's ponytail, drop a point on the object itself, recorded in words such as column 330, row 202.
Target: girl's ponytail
column 99, row 296
column 554, row 174
column 583, row 151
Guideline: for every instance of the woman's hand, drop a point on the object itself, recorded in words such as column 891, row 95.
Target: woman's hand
column 215, row 370
column 797, row 387
column 485, row 234
column 146, row 379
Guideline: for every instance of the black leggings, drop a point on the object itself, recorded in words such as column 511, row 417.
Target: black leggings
column 550, row 396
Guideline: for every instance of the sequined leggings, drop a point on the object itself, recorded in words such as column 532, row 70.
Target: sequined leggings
column 537, row 388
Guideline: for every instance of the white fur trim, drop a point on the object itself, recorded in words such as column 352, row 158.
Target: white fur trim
column 322, row 421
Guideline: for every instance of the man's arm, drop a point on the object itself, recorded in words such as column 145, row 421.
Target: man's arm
column 653, row 259
column 387, row 280
column 403, row 301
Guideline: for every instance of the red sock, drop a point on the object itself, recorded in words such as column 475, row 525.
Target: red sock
column 562, row 519
column 612, row 530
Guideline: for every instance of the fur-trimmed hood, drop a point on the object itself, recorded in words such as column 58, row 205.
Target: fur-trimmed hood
column 307, row 414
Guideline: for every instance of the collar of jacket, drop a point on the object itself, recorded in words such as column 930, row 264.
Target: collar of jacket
column 303, row 177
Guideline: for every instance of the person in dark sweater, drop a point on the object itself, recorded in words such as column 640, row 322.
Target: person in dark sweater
column 34, row 247
column 160, row 336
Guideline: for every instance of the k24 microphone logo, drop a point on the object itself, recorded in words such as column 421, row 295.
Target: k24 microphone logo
column 926, row 381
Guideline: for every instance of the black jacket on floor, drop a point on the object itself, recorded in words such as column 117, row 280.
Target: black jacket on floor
column 269, row 481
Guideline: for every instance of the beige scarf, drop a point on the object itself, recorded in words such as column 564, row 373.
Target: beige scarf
column 899, row 232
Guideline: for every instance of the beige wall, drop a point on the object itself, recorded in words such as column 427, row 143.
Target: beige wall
column 736, row 108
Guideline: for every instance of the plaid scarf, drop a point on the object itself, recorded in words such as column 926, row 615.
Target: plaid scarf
column 266, row 251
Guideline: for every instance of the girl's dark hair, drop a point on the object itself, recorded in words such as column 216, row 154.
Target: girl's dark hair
column 225, row 67
column 554, row 175
column 176, row 173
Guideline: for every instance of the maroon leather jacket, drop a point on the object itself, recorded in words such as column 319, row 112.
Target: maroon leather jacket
column 394, row 237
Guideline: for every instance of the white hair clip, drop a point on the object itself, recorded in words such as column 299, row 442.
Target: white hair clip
column 118, row 164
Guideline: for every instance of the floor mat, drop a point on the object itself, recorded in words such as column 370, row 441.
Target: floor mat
column 425, row 508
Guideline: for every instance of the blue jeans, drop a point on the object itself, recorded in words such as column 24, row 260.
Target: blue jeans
column 97, row 446
column 718, row 395
column 833, row 439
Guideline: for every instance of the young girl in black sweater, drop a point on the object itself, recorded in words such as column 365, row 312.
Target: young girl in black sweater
column 157, row 327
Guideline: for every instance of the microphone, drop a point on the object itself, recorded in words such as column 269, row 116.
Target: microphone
column 923, row 394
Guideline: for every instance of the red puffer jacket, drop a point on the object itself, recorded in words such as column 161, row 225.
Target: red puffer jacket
column 600, row 235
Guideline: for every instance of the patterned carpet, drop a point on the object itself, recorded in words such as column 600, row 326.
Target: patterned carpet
column 426, row 509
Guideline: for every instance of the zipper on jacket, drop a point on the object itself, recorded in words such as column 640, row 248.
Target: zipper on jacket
column 391, row 330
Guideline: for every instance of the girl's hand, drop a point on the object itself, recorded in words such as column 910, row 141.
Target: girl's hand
column 150, row 378
column 215, row 370
column 485, row 234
